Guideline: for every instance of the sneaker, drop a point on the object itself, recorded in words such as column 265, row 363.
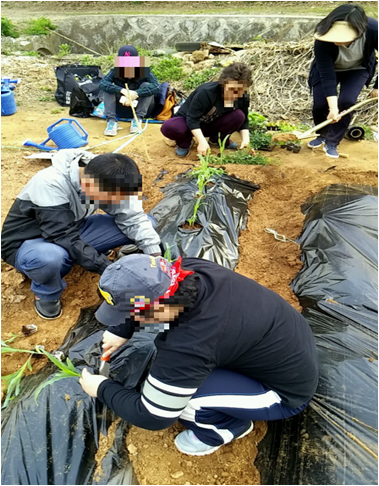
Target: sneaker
column 316, row 143
column 134, row 127
column 111, row 130
column 331, row 150
column 48, row 309
column 127, row 250
column 187, row 442
column 183, row 152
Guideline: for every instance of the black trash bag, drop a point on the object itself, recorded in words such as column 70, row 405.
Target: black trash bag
column 70, row 76
column 80, row 105
column 222, row 215
column 55, row 440
column 334, row 441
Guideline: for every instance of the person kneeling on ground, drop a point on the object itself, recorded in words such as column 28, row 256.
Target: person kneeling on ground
column 134, row 71
column 213, row 109
column 229, row 350
column 345, row 46
column 50, row 227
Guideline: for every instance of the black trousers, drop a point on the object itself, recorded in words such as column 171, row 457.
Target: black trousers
column 351, row 84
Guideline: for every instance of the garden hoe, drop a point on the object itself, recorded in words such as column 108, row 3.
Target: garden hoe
column 297, row 135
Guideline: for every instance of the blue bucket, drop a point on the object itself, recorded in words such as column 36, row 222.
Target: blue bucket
column 8, row 103
column 67, row 135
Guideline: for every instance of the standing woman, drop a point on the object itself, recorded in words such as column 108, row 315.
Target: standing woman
column 345, row 46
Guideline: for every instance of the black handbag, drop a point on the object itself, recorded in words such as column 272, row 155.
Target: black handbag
column 70, row 76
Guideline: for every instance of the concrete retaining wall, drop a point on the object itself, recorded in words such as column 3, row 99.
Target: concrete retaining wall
column 106, row 33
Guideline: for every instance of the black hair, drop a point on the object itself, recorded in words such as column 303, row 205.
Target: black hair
column 115, row 172
column 353, row 14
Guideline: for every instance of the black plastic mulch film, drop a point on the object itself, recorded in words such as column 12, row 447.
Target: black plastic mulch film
column 56, row 440
column 222, row 215
column 335, row 440
column 332, row 442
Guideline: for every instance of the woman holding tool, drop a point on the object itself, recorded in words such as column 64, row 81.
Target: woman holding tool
column 345, row 46
column 134, row 70
column 229, row 351
column 219, row 107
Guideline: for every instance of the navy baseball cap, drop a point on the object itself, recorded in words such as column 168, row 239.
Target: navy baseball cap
column 127, row 51
column 134, row 281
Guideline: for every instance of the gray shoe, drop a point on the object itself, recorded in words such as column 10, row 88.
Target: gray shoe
column 111, row 130
column 48, row 309
column 127, row 250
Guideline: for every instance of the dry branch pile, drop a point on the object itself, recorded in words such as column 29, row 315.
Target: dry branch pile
column 280, row 76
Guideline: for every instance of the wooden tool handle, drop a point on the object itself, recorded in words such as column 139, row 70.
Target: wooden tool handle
column 343, row 113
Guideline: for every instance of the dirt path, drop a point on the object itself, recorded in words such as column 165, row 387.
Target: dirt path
column 284, row 188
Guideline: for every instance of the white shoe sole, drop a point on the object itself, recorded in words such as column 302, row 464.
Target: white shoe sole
column 331, row 156
column 48, row 318
column 214, row 449
column 315, row 146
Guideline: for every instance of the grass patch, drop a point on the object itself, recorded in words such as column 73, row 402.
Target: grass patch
column 47, row 98
column 196, row 79
column 167, row 68
column 243, row 157
column 8, row 29
column 31, row 53
column 39, row 26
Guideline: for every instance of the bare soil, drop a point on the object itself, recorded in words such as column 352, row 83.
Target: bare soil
column 284, row 187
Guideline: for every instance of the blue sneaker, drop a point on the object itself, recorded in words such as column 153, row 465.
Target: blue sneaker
column 317, row 142
column 183, row 152
column 187, row 442
column 111, row 130
column 331, row 150
column 134, row 127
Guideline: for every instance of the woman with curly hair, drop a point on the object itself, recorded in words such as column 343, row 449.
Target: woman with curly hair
column 213, row 109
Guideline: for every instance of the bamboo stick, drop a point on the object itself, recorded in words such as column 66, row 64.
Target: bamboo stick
column 138, row 123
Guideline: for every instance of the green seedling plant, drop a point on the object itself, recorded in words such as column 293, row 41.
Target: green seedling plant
column 13, row 380
column 257, row 122
column 66, row 371
column 203, row 174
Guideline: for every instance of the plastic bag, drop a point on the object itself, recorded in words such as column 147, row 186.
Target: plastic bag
column 55, row 440
column 222, row 215
column 334, row 441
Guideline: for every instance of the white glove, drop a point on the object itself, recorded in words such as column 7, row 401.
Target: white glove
column 111, row 343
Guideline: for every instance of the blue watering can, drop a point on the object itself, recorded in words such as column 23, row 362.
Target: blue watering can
column 8, row 103
column 65, row 136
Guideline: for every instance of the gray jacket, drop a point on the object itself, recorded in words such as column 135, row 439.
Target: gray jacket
column 50, row 206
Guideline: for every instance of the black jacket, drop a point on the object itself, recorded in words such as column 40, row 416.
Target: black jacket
column 326, row 53
column 206, row 99
column 236, row 324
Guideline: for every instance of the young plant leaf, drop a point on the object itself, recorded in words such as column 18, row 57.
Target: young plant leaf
column 59, row 376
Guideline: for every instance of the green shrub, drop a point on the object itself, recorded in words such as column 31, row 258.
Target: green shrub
column 244, row 157
column 168, row 69
column 257, row 121
column 31, row 53
column 259, row 139
column 196, row 79
column 39, row 26
column 8, row 29
column 64, row 50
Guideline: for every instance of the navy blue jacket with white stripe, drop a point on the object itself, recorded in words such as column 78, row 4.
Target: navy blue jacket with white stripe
column 235, row 324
